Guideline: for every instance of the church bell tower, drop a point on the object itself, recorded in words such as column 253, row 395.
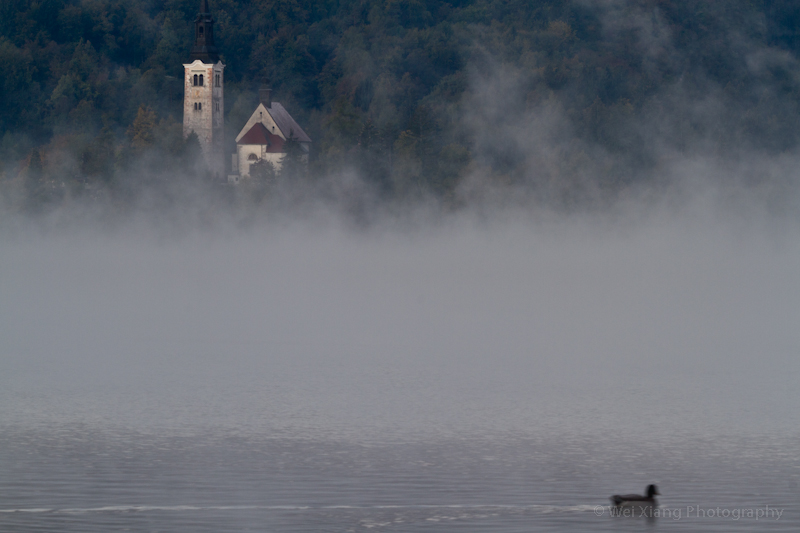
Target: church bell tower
column 203, row 101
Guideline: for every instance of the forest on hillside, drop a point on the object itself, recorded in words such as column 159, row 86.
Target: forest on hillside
column 415, row 96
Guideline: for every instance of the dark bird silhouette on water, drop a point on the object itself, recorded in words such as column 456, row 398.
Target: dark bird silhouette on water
column 626, row 500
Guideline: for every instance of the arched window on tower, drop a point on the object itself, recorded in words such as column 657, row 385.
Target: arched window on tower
column 252, row 157
column 216, row 80
column 201, row 80
column 200, row 29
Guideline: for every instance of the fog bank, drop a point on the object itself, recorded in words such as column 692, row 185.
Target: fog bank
column 654, row 320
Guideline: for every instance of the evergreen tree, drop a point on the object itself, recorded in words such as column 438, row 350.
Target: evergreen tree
column 262, row 173
column 142, row 131
column 191, row 151
column 374, row 161
column 349, row 69
column 193, row 162
column 97, row 160
column 262, row 180
column 293, row 164
column 37, row 189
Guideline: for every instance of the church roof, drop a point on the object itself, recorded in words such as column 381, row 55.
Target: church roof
column 258, row 134
column 276, row 121
column 286, row 123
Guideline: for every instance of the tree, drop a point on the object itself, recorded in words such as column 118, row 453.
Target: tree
column 141, row 132
column 97, row 159
column 263, row 174
column 193, row 162
column 480, row 69
column 293, row 164
column 191, row 151
column 38, row 191
column 374, row 156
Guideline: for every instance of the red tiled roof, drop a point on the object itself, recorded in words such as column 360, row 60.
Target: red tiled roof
column 259, row 135
column 275, row 143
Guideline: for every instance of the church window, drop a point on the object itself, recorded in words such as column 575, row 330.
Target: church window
column 201, row 30
column 199, row 106
column 216, row 80
column 195, row 80
column 252, row 157
column 201, row 80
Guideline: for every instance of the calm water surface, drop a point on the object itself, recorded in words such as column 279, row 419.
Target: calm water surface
column 78, row 479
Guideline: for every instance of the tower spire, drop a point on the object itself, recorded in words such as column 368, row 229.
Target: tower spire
column 204, row 97
column 204, row 48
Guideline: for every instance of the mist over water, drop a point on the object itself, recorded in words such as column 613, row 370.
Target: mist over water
column 522, row 360
column 577, row 295
column 466, row 326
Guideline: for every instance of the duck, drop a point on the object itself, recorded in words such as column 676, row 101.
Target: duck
column 626, row 500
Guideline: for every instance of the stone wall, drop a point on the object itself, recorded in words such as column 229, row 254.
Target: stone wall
column 203, row 111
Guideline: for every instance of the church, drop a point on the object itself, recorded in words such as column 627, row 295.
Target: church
column 262, row 138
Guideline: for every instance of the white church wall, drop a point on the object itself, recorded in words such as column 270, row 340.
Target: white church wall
column 244, row 151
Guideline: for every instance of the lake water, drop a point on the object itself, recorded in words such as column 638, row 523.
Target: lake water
column 504, row 380
column 79, row 479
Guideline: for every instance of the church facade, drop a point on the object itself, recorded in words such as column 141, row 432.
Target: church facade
column 264, row 135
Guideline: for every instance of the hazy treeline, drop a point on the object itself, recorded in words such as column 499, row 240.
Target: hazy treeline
column 415, row 96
